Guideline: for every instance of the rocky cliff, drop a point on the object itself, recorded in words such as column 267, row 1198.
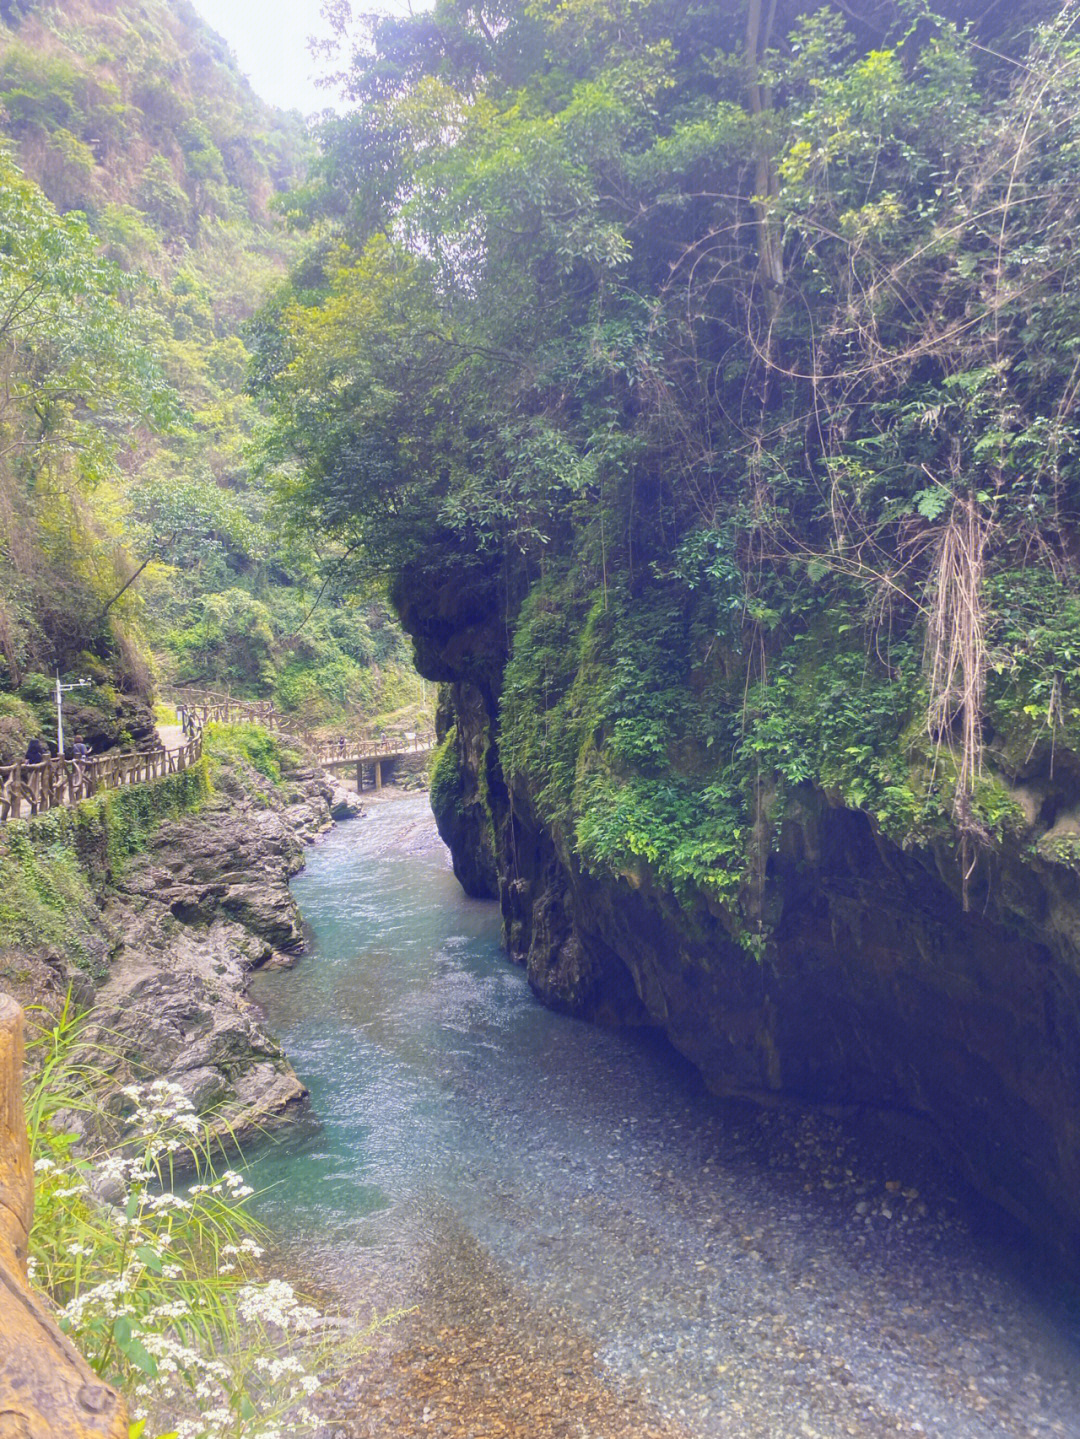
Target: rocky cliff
column 160, row 940
column 864, row 981
column 207, row 902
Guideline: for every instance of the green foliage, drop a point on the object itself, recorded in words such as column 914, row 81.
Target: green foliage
column 144, row 122
column 127, row 817
column 161, row 1288
column 162, row 200
column 251, row 743
column 46, row 900
column 52, row 867
column 598, row 720
column 79, row 381
column 18, row 724
column 1034, row 649
column 691, row 838
column 444, row 777
column 743, row 386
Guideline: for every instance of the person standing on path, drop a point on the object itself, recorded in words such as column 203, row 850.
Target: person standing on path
column 80, row 753
column 37, row 751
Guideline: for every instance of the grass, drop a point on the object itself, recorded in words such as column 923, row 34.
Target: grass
column 252, row 744
column 160, row 1286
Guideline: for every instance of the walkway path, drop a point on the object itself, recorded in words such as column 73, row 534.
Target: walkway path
column 172, row 736
column 198, row 708
column 372, row 755
column 31, row 789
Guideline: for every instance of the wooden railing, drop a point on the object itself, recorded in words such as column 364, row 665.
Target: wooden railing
column 360, row 750
column 198, row 708
column 29, row 789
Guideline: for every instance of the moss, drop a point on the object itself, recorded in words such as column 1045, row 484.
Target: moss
column 445, row 779
column 46, row 898
column 644, row 730
column 53, row 867
column 644, row 749
column 127, row 817
column 461, row 804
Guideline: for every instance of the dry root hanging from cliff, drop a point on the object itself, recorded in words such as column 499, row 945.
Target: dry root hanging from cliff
column 956, row 662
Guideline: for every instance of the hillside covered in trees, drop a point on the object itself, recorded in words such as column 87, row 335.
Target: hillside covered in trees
column 707, row 376
column 139, row 182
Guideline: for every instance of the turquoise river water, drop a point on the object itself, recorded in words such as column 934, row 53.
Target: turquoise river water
column 590, row 1243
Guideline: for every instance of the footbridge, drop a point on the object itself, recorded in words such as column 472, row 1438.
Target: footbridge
column 32, row 789
column 374, row 757
column 366, row 756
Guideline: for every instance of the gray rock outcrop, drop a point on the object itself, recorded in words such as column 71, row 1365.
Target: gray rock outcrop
column 188, row 919
column 344, row 804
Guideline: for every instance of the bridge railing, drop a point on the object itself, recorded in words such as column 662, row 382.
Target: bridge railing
column 198, row 708
column 331, row 752
column 29, row 789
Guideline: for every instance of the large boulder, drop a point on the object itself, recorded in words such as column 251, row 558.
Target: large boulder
column 344, row 804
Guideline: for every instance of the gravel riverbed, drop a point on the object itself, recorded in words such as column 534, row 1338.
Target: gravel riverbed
column 588, row 1243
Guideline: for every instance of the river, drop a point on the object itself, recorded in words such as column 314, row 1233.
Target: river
column 593, row 1246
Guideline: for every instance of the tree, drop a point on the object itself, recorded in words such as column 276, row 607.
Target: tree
column 76, row 381
column 760, row 327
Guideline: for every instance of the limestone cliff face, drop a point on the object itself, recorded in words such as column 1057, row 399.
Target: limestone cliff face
column 464, row 769
column 171, row 932
column 191, row 916
column 873, row 985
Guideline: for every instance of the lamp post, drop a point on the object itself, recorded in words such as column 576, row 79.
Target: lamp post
column 61, row 690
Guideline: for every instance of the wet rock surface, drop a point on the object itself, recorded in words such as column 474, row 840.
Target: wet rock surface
column 188, row 919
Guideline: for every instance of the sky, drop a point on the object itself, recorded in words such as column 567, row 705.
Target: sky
column 270, row 40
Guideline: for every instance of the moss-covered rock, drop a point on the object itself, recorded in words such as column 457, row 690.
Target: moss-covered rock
column 773, row 874
column 459, row 793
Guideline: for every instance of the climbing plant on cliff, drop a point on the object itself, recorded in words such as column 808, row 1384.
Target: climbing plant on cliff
column 761, row 320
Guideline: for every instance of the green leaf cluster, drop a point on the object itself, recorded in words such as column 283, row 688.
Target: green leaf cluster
column 709, row 361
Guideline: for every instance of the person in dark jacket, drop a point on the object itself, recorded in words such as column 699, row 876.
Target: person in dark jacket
column 37, row 751
column 80, row 750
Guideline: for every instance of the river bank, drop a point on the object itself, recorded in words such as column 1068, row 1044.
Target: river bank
column 154, row 916
column 591, row 1243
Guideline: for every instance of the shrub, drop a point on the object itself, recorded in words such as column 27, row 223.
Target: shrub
column 160, row 1286
column 249, row 742
column 18, row 722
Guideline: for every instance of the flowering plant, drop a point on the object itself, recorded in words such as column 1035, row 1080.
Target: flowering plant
column 160, row 1285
